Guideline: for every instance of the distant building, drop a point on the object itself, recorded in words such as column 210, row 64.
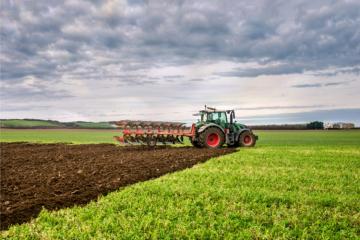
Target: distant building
column 339, row 125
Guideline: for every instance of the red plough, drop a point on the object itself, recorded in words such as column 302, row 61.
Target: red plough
column 150, row 133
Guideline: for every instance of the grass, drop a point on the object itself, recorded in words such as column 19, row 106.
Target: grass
column 294, row 184
column 96, row 125
column 34, row 123
column 22, row 123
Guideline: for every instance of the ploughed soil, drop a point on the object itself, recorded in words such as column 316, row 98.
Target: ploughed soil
column 60, row 175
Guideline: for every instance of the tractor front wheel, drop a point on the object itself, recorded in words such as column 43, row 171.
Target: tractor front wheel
column 212, row 137
column 247, row 139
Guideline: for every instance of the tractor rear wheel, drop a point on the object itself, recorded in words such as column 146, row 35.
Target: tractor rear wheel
column 212, row 137
column 247, row 139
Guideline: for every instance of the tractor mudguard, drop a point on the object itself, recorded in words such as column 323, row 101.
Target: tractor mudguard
column 203, row 128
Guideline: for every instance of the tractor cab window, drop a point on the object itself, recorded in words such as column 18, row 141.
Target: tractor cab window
column 218, row 117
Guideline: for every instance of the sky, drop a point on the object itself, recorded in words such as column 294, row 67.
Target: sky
column 272, row 61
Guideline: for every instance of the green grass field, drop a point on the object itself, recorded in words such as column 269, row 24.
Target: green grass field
column 21, row 123
column 293, row 184
column 32, row 123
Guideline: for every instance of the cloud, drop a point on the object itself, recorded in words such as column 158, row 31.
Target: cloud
column 310, row 85
column 318, row 85
column 281, row 107
column 330, row 73
column 24, row 107
column 280, row 69
column 137, row 82
column 301, row 34
column 148, row 51
column 197, row 80
column 334, row 84
column 333, row 115
column 173, row 76
column 33, row 94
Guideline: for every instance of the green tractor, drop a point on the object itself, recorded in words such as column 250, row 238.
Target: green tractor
column 218, row 127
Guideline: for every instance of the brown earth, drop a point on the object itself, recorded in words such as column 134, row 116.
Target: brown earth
column 59, row 175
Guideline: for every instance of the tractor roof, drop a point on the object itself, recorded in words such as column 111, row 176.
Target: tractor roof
column 214, row 111
column 211, row 110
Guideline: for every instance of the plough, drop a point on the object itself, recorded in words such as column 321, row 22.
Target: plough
column 150, row 133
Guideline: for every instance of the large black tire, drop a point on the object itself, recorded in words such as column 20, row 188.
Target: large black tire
column 247, row 139
column 212, row 137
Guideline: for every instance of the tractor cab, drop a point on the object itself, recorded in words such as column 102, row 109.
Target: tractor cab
column 223, row 118
column 219, row 118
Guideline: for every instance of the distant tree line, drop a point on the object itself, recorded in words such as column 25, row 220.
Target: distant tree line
column 305, row 126
column 315, row 125
column 279, row 127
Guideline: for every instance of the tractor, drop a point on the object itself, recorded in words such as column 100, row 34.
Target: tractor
column 218, row 127
column 214, row 129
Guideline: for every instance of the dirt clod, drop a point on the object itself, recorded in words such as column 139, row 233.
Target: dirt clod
column 59, row 175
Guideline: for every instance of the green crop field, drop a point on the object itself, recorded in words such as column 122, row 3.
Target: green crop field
column 21, row 123
column 293, row 184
